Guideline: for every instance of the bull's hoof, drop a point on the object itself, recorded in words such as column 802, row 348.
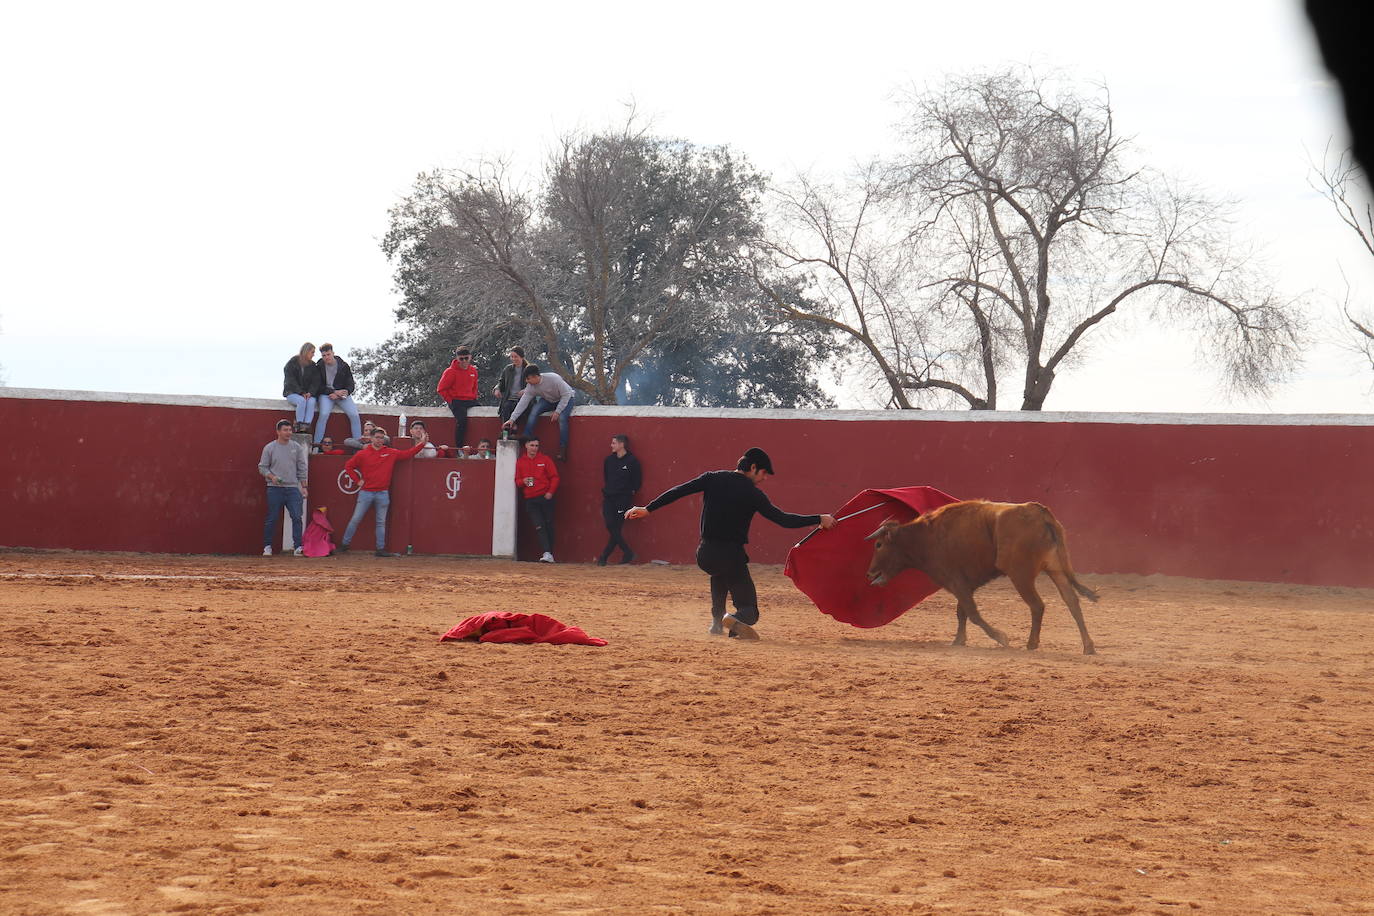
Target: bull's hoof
column 1089, row 650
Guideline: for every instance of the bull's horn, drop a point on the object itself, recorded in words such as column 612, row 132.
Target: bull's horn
column 879, row 529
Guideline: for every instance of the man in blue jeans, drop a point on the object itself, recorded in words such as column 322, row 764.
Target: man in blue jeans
column 335, row 392
column 283, row 465
column 545, row 391
column 373, row 467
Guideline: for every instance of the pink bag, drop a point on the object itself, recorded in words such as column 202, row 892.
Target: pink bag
column 317, row 541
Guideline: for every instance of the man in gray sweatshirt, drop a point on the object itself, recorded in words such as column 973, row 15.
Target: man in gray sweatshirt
column 543, row 392
column 283, row 465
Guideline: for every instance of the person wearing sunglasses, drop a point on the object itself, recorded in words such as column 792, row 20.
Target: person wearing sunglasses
column 458, row 387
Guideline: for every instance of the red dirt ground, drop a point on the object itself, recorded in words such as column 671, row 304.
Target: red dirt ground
column 282, row 735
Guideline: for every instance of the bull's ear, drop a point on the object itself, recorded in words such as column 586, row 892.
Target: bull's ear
column 888, row 522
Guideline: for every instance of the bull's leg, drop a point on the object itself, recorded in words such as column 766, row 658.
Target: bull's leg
column 1070, row 597
column 1025, row 587
column 969, row 611
column 961, row 611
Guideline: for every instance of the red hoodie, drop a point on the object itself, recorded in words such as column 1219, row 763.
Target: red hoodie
column 376, row 465
column 458, row 383
column 541, row 470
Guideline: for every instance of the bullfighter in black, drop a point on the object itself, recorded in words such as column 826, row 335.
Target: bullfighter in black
column 729, row 501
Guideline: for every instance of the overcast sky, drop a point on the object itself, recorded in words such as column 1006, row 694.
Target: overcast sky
column 190, row 191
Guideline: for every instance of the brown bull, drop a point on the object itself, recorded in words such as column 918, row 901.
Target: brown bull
column 965, row 545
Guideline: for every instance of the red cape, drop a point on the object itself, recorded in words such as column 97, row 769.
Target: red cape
column 831, row 567
column 505, row 626
column 317, row 542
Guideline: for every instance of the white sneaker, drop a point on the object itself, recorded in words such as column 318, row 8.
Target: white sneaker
column 267, row 551
column 298, row 552
column 546, row 558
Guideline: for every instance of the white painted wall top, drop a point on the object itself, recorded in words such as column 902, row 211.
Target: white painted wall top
column 887, row 416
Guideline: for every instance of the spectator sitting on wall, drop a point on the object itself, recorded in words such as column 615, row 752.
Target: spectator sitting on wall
column 458, row 387
column 621, row 475
column 537, row 477
column 418, row 432
column 283, row 465
column 484, row 449
column 301, row 379
column 373, row 467
column 359, row 443
column 511, row 385
column 335, row 392
column 545, row 391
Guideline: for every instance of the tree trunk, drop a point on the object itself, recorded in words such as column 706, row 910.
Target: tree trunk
column 1038, row 382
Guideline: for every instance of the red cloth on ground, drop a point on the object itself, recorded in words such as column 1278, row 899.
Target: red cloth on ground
column 506, row 626
column 831, row 567
column 317, row 541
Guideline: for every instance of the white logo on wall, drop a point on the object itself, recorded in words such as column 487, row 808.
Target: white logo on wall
column 454, row 482
column 348, row 484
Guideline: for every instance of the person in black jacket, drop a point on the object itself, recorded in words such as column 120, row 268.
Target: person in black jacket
column 336, row 392
column 511, row 384
column 729, row 501
column 622, row 476
column 300, row 382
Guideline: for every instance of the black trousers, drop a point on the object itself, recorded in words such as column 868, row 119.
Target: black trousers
column 613, row 514
column 728, row 566
column 460, row 418
column 540, row 511
column 507, row 408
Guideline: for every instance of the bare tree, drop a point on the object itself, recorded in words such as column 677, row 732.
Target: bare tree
column 1341, row 181
column 842, row 258
column 831, row 265
column 1032, row 226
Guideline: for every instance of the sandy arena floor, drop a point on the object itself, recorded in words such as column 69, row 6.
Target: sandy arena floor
column 235, row 735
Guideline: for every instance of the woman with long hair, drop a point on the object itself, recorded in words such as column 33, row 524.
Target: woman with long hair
column 301, row 377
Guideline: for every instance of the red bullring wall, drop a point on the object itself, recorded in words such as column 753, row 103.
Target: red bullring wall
column 1264, row 498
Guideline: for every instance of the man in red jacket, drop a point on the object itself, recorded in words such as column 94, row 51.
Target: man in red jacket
column 537, row 477
column 372, row 467
column 458, row 388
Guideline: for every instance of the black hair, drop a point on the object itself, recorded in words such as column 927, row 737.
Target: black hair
column 623, row 439
column 281, row 423
column 518, row 351
column 531, row 369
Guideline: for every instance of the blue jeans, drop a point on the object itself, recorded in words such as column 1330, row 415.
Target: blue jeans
column 379, row 501
column 540, row 406
column 327, row 404
column 277, row 499
column 305, row 406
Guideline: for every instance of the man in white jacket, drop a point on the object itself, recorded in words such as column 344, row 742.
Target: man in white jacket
column 545, row 391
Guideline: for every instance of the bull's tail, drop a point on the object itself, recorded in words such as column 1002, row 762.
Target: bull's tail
column 1061, row 551
column 1081, row 588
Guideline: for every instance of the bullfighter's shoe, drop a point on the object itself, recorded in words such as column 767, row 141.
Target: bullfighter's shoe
column 737, row 628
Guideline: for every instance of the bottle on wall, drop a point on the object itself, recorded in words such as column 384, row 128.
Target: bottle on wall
column 402, row 431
